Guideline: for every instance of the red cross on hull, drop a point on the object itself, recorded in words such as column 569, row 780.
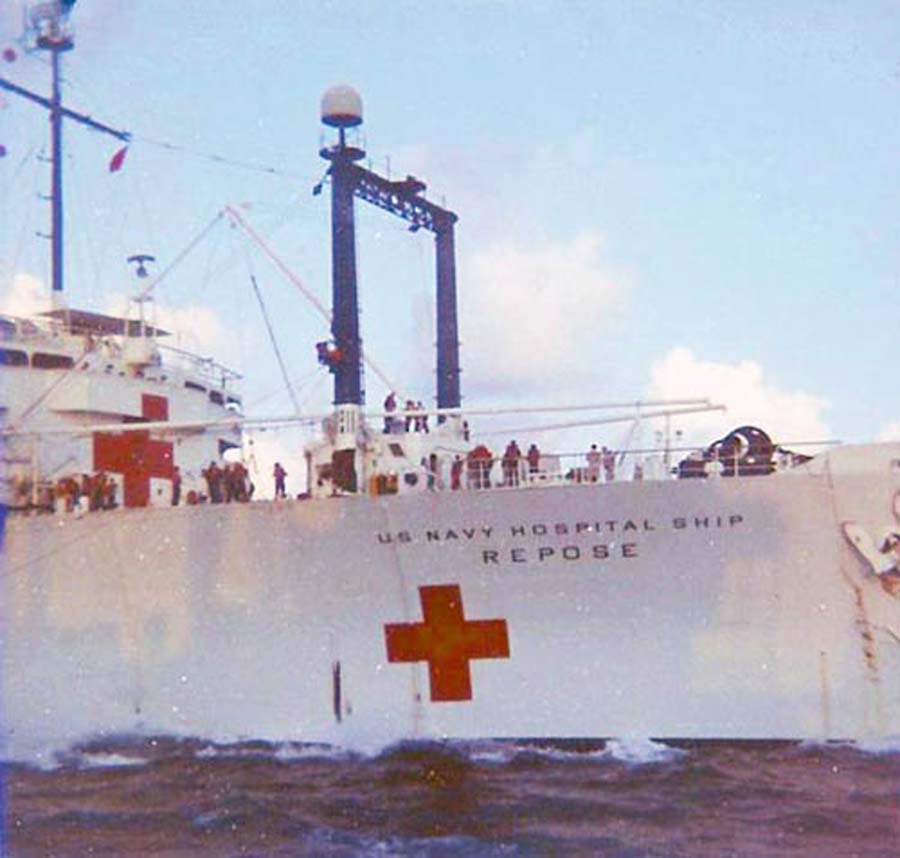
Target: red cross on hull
column 447, row 641
column 135, row 455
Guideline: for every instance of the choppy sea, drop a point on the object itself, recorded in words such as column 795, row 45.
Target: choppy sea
column 167, row 797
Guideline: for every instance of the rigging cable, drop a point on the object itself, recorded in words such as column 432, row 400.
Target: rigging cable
column 79, row 363
column 574, row 424
column 221, row 159
column 293, row 278
column 629, row 436
column 286, row 421
column 145, row 292
column 278, row 357
column 24, row 216
column 301, row 380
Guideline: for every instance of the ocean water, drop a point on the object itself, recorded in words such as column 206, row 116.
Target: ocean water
column 168, row 797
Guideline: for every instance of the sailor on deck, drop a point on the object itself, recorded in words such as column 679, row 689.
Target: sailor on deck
column 279, row 473
column 390, row 406
column 594, row 461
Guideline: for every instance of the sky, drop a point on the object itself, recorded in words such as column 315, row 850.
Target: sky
column 666, row 200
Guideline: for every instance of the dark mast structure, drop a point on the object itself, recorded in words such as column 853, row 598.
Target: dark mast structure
column 49, row 22
column 53, row 35
column 342, row 109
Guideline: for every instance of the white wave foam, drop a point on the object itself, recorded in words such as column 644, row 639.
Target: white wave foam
column 71, row 749
column 559, row 754
column 289, row 752
column 330, row 841
column 209, row 752
column 107, row 761
column 642, row 752
column 451, row 844
column 631, row 751
column 283, row 752
column 497, row 755
column 50, row 760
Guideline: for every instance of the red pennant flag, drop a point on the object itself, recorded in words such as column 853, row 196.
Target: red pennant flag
column 117, row 160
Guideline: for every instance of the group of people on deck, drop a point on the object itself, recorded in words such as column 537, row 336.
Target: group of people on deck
column 601, row 461
column 230, row 481
column 227, row 484
column 84, row 493
column 479, row 462
column 410, row 419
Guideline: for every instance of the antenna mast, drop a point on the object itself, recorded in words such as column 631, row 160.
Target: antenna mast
column 342, row 109
column 48, row 25
column 51, row 26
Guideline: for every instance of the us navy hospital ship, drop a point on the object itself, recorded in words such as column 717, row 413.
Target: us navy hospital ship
column 746, row 593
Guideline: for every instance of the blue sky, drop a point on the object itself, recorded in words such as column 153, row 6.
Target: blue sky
column 654, row 198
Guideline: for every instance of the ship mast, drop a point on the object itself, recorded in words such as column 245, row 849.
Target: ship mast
column 342, row 109
column 53, row 35
column 50, row 27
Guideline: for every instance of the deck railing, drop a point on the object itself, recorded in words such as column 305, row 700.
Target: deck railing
column 54, row 333
column 566, row 469
column 188, row 363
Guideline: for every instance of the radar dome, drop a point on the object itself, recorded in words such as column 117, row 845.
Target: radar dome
column 341, row 107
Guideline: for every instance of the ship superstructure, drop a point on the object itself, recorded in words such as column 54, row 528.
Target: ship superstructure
column 67, row 370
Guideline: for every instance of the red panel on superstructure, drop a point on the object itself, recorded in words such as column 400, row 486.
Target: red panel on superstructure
column 135, row 455
column 137, row 458
column 447, row 641
column 154, row 407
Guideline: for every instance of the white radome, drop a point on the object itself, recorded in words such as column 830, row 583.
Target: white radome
column 342, row 106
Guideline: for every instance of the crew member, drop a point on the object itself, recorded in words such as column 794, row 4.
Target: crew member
column 609, row 464
column 214, row 477
column 456, row 469
column 480, row 461
column 279, row 473
column 594, row 461
column 390, row 406
column 511, row 456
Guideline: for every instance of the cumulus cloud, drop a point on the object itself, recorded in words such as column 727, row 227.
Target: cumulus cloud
column 25, row 296
column 195, row 327
column 529, row 311
column 749, row 396
column 890, row 432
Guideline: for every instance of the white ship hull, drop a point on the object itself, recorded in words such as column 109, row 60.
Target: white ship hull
column 730, row 608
